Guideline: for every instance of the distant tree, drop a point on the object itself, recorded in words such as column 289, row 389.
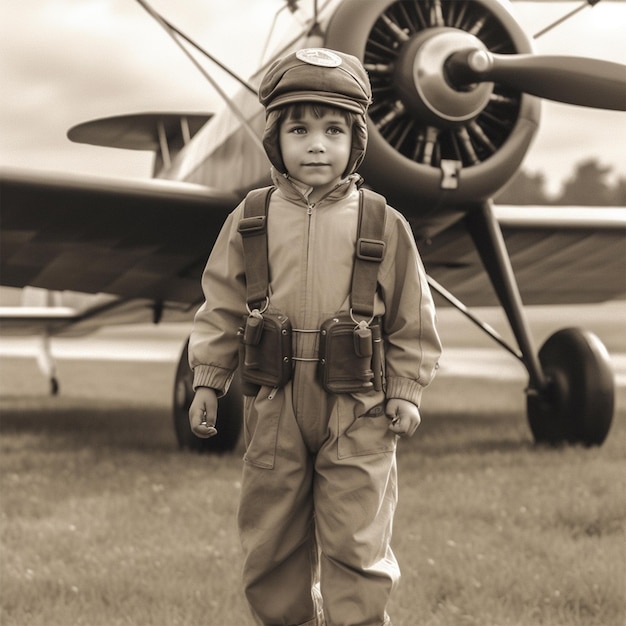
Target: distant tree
column 587, row 186
column 619, row 193
column 524, row 188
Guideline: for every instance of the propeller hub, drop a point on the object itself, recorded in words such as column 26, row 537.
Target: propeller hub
column 421, row 77
column 480, row 60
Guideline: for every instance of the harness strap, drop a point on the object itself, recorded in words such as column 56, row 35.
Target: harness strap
column 370, row 251
column 253, row 230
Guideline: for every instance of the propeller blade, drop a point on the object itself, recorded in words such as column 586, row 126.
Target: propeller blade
column 572, row 80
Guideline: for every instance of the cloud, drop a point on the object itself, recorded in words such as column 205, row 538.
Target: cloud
column 68, row 61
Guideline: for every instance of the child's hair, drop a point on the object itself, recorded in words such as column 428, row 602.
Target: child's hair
column 298, row 109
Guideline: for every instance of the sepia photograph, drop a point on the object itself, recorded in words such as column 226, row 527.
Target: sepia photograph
column 312, row 313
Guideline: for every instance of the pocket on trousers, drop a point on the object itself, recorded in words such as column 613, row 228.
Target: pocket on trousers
column 261, row 420
column 362, row 428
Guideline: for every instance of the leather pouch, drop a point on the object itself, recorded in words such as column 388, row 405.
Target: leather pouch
column 265, row 351
column 345, row 364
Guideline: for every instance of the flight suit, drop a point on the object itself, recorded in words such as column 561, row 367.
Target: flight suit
column 319, row 485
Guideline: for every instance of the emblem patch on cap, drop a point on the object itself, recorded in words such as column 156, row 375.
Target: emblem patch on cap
column 319, row 56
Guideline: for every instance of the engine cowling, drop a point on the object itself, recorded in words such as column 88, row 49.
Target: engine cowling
column 433, row 144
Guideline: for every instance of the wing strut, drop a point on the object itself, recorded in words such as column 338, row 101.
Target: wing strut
column 488, row 329
column 173, row 32
column 543, row 31
column 484, row 229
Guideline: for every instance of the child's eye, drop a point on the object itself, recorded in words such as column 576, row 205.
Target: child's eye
column 335, row 130
column 298, row 130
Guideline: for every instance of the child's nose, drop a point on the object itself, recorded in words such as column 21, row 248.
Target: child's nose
column 317, row 146
column 317, row 143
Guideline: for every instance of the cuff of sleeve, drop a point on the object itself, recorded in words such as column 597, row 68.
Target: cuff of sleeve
column 404, row 389
column 212, row 376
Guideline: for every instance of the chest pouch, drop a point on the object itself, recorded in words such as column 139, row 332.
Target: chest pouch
column 265, row 349
column 350, row 357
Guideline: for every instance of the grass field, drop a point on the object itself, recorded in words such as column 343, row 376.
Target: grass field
column 104, row 522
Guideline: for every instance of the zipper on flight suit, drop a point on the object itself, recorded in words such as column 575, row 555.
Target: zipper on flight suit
column 309, row 211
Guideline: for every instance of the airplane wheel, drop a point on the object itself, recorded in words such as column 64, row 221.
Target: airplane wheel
column 577, row 405
column 229, row 410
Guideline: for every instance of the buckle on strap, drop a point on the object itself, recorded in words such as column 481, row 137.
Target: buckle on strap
column 370, row 249
column 249, row 226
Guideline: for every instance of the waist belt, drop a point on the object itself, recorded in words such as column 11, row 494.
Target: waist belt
column 297, row 348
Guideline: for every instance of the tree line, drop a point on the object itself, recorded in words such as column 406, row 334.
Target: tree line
column 587, row 186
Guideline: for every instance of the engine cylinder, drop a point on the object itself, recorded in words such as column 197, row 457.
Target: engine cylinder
column 422, row 127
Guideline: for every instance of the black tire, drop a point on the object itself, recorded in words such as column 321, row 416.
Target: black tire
column 577, row 405
column 229, row 411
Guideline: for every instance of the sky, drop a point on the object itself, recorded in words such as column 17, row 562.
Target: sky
column 63, row 62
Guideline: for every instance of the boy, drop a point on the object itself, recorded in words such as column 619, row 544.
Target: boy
column 319, row 480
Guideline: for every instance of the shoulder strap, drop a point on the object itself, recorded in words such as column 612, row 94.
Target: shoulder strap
column 253, row 230
column 370, row 251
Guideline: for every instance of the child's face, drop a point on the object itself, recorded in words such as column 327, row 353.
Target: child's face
column 315, row 150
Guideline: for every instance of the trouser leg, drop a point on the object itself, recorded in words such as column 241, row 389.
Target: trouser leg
column 355, row 500
column 276, row 521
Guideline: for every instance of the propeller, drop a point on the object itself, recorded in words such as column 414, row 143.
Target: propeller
column 572, row 80
column 453, row 112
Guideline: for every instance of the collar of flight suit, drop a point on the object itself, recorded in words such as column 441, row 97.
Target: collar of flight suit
column 298, row 192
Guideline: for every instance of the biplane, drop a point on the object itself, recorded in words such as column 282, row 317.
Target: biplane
column 457, row 90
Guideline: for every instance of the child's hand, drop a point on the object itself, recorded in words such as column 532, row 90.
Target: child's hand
column 404, row 416
column 203, row 413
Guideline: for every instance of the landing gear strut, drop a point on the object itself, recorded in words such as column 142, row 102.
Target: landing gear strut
column 571, row 388
column 229, row 412
column 47, row 364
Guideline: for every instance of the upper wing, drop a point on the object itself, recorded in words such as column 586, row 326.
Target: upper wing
column 133, row 240
column 561, row 255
